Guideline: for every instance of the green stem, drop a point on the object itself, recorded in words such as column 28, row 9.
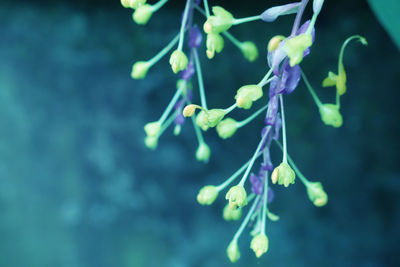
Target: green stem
column 197, row 130
column 252, row 117
column 231, row 38
column 167, row 123
column 205, row 2
column 171, row 104
column 346, row 42
column 183, row 25
column 337, row 99
column 244, row 20
column 264, row 80
column 246, row 220
column 283, row 130
column 199, row 78
column 311, row 90
column 164, row 51
column 235, row 175
column 158, row 5
column 264, row 215
column 243, row 180
column 228, row 110
column 312, row 23
column 303, row 179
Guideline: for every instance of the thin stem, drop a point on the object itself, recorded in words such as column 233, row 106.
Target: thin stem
column 311, row 90
column 164, row 51
column 231, row 38
column 303, row 179
column 205, row 2
column 264, row 216
column 346, row 42
column 171, row 104
column 312, row 23
column 246, row 220
column 283, row 130
column 252, row 117
column 158, row 5
column 337, row 99
column 241, row 183
column 297, row 20
column 228, row 110
column 183, row 25
column 199, row 135
column 236, row 174
column 167, row 123
column 244, row 20
column 265, row 78
column 199, row 78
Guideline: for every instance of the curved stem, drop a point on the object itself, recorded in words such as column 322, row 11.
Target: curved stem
column 246, row 220
column 264, row 80
column 164, row 51
column 199, row 78
column 297, row 20
column 228, row 110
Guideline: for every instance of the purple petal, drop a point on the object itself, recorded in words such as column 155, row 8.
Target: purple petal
column 290, row 78
column 303, row 29
column 179, row 119
column 275, row 58
column 270, row 195
column 195, row 37
column 256, row 184
column 273, row 87
column 277, row 128
column 273, row 13
column 267, row 164
column 273, row 105
column 265, row 131
column 187, row 73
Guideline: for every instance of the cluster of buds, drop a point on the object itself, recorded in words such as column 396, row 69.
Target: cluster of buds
column 285, row 54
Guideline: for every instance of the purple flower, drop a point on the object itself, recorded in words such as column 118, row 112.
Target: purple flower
column 272, row 110
column 303, row 28
column 289, row 79
column 270, row 195
column 256, row 184
column 179, row 119
column 277, row 128
column 195, row 37
column 187, row 73
column 273, row 13
column 267, row 164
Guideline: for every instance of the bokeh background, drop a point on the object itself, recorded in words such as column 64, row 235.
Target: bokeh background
column 78, row 188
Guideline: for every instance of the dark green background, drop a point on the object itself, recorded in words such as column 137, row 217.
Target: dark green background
column 78, row 188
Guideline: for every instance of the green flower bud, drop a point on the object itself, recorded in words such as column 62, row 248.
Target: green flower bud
column 231, row 214
column 215, row 44
column 227, row 127
column 283, row 174
column 237, row 197
column 135, row 3
column 259, row 244
column 178, row 61
column 152, row 128
column 249, row 50
column 233, row 251
column 221, row 21
column 207, row 195
column 247, row 94
column 139, row 69
column 125, row 3
column 202, row 120
column 330, row 115
column 214, row 116
column 341, row 80
column 177, row 130
column 295, row 47
column 203, row 152
column 330, row 80
column 142, row 14
column 151, row 142
column 316, row 194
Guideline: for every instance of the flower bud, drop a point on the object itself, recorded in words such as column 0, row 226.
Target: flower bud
column 231, row 214
column 202, row 120
column 135, row 3
column 316, row 194
column 177, row 129
column 214, row 116
column 283, row 174
column 249, row 50
column 215, row 44
column 247, row 94
column 189, row 110
column 142, row 14
column 341, row 80
column 237, row 197
column 151, row 142
column 295, row 47
column 207, row 195
column 259, row 244
column 203, row 152
column 330, row 115
column 233, row 251
column 221, row 21
column 330, row 80
column 273, row 44
column 178, row 61
column 139, row 69
column 152, row 128
column 227, row 127
column 125, row 3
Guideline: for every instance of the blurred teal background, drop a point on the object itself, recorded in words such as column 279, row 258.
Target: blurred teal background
column 78, row 188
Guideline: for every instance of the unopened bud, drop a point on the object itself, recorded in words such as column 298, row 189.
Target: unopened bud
column 142, row 14
column 259, row 244
column 237, row 197
column 316, row 194
column 247, row 94
column 203, row 152
column 207, row 195
column 231, row 214
column 227, row 127
column 283, row 174
column 152, row 128
column 178, row 61
column 189, row 110
column 139, row 70
column 249, row 50
column 232, row 251
column 330, row 115
column 273, row 44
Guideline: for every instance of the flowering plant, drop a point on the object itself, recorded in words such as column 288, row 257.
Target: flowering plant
column 285, row 54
